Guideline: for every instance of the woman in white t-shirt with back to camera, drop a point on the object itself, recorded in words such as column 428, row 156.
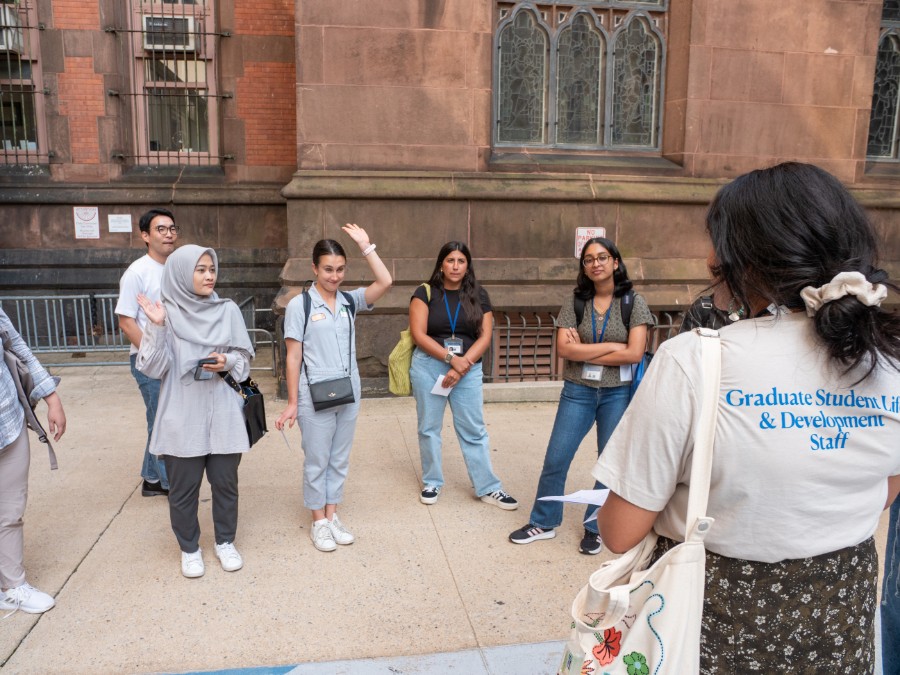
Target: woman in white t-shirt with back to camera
column 807, row 446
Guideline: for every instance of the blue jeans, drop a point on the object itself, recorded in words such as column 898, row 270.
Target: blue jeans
column 890, row 597
column 579, row 407
column 153, row 468
column 467, row 406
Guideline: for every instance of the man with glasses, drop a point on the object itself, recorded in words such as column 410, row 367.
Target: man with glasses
column 159, row 232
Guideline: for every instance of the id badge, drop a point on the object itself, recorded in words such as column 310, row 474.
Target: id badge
column 625, row 373
column 591, row 372
column 454, row 345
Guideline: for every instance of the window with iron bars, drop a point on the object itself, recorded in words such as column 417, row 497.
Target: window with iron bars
column 22, row 128
column 174, row 92
column 582, row 75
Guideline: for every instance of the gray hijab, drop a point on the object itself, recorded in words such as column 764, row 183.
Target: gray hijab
column 201, row 324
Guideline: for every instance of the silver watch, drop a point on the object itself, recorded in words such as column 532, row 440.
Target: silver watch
column 448, row 357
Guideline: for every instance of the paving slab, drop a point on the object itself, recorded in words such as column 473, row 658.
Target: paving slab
column 424, row 589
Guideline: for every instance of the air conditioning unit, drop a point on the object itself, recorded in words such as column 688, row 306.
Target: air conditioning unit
column 169, row 33
column 10, row 30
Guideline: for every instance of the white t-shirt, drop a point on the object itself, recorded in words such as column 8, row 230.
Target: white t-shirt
column 144, row 275
column 801, row 455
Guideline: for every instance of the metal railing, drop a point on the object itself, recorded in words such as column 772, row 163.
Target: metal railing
column 523, row 345
column 69, row 324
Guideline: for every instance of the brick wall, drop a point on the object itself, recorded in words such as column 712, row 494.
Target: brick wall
column 265, row 17
column 81, row 100
column 76, row 14
column 266, row 104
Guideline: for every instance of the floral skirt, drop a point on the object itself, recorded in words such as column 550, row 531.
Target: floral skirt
column 811, row 615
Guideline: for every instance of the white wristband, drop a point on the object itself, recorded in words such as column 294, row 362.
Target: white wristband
column 368, row 249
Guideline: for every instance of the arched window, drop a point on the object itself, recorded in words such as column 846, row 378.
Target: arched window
column 584, row 75
column 523, row 70
column 636, row 75
column 883, row 120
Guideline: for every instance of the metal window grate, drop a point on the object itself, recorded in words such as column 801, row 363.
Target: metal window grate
column 20, row 141
column 170, row 47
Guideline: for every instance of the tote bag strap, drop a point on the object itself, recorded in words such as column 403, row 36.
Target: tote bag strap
column 696, row 523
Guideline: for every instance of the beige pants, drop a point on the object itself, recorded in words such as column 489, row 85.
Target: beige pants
column 14, row 461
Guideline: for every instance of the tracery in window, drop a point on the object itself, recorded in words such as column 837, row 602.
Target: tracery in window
column 581, row 74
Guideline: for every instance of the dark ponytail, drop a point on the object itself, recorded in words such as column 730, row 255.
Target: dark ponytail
column 776, row 231
column 327, row 247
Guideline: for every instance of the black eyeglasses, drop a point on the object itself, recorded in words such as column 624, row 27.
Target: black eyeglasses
column 171, row 229
column 603, row 258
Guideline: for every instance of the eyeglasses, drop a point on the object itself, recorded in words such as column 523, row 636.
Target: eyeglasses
column 603, row 258
column 171, row 229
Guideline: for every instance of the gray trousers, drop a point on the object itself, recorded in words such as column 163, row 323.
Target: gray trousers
column 14, row 461
column 185, row 477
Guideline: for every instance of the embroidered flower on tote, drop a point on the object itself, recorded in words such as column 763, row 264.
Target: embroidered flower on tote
column 587, row 668
column 636, row 664
column 609, row 647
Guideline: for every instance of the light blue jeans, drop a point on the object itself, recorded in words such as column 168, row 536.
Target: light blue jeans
column 153, row 469
column 890, row 597
column 579, row 407
column 467, row 406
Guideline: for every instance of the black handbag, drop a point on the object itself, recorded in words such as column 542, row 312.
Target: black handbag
column 254, row 409
column 331, row 393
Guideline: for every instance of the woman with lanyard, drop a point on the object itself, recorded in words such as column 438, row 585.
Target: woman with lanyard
column 320, row 347
column 450, row 319
column 599, row 345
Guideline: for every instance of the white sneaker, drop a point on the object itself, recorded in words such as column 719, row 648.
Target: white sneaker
column 192, row 564
column 321, row 535
column 341, row 534
column 27, row 598
column 229, row 557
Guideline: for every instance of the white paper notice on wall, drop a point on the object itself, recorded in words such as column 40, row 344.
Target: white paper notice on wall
column 87, row 222
column 119, row 222
column 583, row 234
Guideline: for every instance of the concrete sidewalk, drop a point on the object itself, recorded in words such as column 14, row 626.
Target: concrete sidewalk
column 426, row 588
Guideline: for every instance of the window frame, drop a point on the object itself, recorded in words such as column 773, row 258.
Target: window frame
column 636, row 11
column 143, row 88
column 889, row 29
column 31, row 50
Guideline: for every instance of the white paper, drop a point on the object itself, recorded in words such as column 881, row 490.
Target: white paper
column 87, row 222
column 440, row 390
column 594, row 497
column 119, row 222
column 625, row 373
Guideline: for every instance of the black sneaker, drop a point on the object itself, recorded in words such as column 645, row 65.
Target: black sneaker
column 530, row 533
column 501, row 499
column 591, row 544
column 429, row 494
column 149, row 489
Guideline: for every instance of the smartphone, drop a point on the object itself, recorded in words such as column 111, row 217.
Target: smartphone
column 200, row 373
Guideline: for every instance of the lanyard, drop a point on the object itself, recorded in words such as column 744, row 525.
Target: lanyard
column 455, row 316
column 594, row 321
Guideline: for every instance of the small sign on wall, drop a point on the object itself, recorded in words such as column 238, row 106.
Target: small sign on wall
column 87, row 222
column 583, row 234
column 119, row 222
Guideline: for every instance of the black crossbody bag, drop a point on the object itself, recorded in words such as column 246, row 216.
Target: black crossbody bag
column 254, row 409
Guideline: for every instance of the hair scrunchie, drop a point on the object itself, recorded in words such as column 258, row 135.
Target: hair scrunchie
column 845, row 283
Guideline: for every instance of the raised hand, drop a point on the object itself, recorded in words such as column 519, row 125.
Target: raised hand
column 154, row 310
column 357, row 234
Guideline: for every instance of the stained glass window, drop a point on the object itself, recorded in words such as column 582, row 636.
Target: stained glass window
column 883, row 141
column 635, row 90
column 523, row 72
column 585, row 76
column 580, row 77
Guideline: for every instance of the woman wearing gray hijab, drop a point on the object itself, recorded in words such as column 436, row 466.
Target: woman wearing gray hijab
column 193, row 335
